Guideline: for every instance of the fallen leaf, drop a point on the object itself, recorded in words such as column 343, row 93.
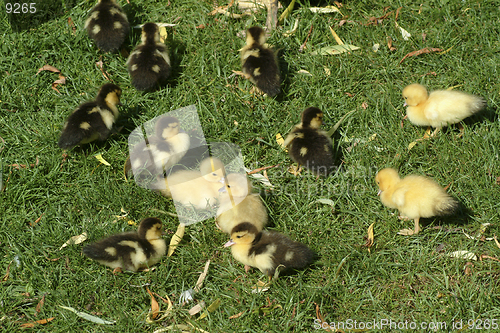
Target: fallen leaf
column 389, row 44
column 176, row 238
column 101, row 159
column 411, row 145
column 303, row 46
column 326, row 202
column 99, row 65
column 468, row 268
column 375, row 47
column 364, row 105
column 484, row 256
column 291, row 32
column 38, row 322
column 336, row 37
column 48, row 68
column 325, row 10
column 202, row 277
column 74, row 240
column 421, row 51
column 196, row 309
column 286, row 12
column 260, row 287
column 406, row 35
column 38, row 307
column 303, row 71
column 327, row 70
column 155, row 308
column 463, row 255
column 259, row 177
column 370, row 238
column 36, row 221
column 6, row 276
column 88, row 317
column 294, row 169
column 335, row 49
column 214, row 306
column 237, row 315
column 495, row 238
column 72, row 25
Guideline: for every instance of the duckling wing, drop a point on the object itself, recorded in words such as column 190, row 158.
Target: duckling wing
column 262, row 67
column 84, row 125
column 148, row 66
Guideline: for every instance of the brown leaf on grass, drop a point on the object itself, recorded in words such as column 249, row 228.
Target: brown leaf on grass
column 364, row 105
column 303, row 46
column 36, row 221
column 397, row 13
column 6, row 276
column 39, row 305
column 389, row 44
column 322, row 322
column 24, row 166
column 196, row 309
column 468, row 268
column 62, row 80
column 377, row 20
column 237, row 315
column 155, row 308
column 421, row 51
column 447, row 187
column 484, row 256
column 48, row 68
column 498, row 180
column 99, row 65
column 38, row 322
column 72, row 25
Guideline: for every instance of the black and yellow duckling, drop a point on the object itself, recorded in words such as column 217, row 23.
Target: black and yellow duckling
column 309, row 146
column 131, row 251
column 238, row 204
column 259, row 62
column 149, row 64
column 107, row 25
column 161, row 151
column 268, row 250
column 92, row 120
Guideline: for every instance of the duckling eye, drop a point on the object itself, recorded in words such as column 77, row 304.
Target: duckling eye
column 239, row 236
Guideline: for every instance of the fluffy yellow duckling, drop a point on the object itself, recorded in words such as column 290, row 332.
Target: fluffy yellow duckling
column 259, row 62
column 440, row 108
column 149, row 64
column 414, row 196
column 238, row 205
column 310, row 146
column 162, row 150
column 131, row 250
column 92, row 120
column 267, row 250
column 198, row 189
column 107, row 25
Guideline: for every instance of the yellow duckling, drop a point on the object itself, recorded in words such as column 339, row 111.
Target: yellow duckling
column 267, row 250
column 131, row 250
column 198, row 189
column 414, row 196
column 92, row 120
column 238, row 205
column 162, row 150
column 259, row 62
column 440, row 108
column 310, row 146
column 107, row 25
column 149, row 64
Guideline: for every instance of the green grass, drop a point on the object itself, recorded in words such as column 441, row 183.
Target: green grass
column 401, row 279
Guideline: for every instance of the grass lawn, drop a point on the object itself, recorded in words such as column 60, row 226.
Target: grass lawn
column 48, row 198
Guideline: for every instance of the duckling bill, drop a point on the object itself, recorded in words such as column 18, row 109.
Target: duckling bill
column 92, row 120
column 149, row 63
column 268, row 250
column 259, row 62
column 107, row 25
column 130, row 250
